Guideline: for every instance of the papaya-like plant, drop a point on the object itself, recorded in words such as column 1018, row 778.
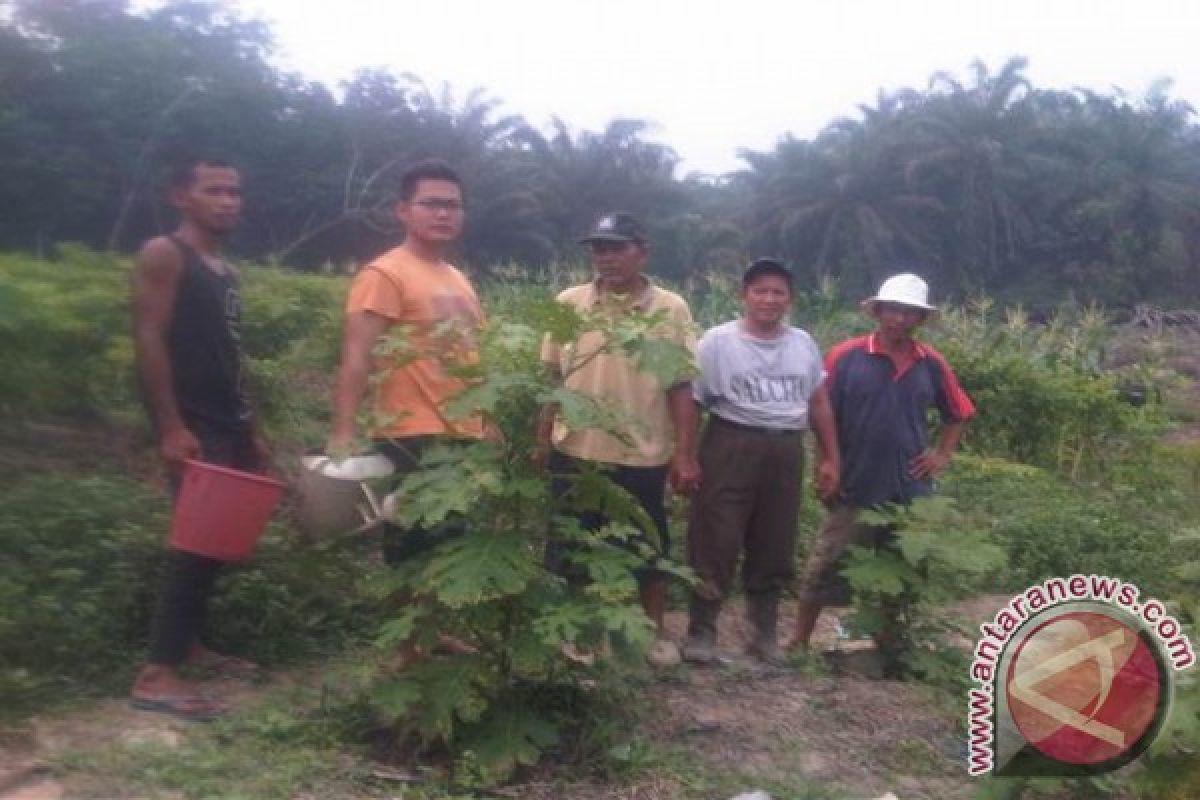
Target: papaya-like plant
column 931, row 556
column 525, row 687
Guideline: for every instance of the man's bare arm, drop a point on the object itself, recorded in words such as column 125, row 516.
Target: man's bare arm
column 362, row 330
column 156, row 277
column 829, row 461
column 543, row 434
column 685, row 418
column 543, row 431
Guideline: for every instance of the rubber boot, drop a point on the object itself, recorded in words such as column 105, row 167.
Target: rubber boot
column 701, row 645
column 762, row 610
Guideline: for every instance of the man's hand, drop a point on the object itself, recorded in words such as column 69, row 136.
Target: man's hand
column 684, row 474
column 362, row 330
column 928, row 464
column 492, row 433
column 178, row 444
column 827, row 481
column 543, row 433
column 339, row 444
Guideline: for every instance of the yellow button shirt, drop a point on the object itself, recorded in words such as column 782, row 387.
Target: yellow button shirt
column 615, row 380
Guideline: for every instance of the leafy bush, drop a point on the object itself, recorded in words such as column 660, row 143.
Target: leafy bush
column 1050, row 526
column 1042, row 396
column 517, row 695
column 77, row 581
column 291, row 328
column 64, row 334
column 939, row 555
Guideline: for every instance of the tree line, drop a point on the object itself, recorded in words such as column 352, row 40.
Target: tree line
column 984, row 184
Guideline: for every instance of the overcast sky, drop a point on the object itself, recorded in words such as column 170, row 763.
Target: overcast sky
column 718, row 76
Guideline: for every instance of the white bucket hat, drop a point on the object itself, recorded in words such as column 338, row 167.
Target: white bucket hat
column 904, row 289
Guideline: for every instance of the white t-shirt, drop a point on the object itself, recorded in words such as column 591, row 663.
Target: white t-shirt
column 765, row 383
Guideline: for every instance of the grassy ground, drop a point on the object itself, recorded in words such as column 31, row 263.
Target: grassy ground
column 803, row 734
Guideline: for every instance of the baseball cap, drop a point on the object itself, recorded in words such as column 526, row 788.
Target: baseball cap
column 766, row 266
column 616, row 226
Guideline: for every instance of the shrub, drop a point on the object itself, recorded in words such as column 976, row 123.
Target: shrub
column 291, row 327
column 1050, row 526
column 76, row 584
column 66, row 345
column 938, row 555
column 64, row 334
column 517, row 695
column 1041, row 394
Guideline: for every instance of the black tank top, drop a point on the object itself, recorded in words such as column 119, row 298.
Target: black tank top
column 204, row 346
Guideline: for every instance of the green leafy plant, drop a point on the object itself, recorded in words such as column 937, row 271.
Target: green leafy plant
column 504, row 705
column 1050, row 526
column 1042, row 395
column 64, row 334
column 65, row 341
column 937, row 556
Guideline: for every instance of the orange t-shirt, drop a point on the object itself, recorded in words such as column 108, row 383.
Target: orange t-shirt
column 442, row 315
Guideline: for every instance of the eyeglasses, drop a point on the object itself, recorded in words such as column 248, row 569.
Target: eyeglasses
column 436, row 204
column 599, row 246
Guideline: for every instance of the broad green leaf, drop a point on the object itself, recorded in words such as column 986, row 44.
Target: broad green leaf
column 400, row 628
column 398, row 696
column 883, row 573
column 667, row 361
column 507, row 737
column 479, row 567
column 452, row 691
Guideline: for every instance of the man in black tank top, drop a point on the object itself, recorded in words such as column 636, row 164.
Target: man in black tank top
column 187, row 314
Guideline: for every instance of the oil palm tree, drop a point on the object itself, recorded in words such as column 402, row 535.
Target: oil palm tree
column 972, row 150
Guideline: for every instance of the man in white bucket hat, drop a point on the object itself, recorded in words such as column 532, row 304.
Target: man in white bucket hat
column 881, row 385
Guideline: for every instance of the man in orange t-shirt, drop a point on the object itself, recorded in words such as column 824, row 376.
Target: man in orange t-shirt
column 411, row 293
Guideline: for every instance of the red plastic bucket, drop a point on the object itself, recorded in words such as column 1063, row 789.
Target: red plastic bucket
column 221, row 512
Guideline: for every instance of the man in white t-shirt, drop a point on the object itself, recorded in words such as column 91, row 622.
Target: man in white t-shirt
column 763, row 384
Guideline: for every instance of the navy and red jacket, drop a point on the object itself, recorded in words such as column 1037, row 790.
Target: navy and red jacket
column 880, row 405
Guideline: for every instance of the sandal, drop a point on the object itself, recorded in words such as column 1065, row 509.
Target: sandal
column 191, row 707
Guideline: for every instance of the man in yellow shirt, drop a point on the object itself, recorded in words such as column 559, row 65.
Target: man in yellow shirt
column 411, row 292
column 657, row 442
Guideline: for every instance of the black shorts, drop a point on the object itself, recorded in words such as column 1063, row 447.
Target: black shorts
column 399, row 543
column 646, row 484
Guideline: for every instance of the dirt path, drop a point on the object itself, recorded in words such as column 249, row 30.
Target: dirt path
column 832, row 730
